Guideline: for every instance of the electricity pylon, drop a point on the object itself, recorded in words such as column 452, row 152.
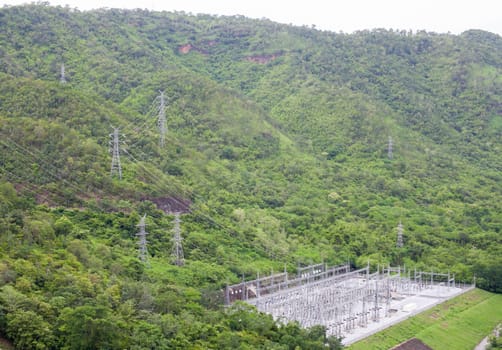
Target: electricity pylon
column 179, row 259
column 399, row 243
column 162, row 122
column 142, row 242
column 389, row 148
column 62, row 78
column 116, row 168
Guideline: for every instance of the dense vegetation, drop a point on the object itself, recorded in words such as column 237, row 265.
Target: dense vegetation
column 277, row 142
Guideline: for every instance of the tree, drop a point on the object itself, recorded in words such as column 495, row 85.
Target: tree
column 63, row 226
column 91, row 327
column 29, row 330
column 147, row 336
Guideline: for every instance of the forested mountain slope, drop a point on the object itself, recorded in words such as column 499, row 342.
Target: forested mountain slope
column 276, row 153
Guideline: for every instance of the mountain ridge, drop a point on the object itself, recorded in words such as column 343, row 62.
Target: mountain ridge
column 277, row 139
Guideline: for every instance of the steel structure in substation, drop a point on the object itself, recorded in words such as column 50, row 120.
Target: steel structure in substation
column 336, row 297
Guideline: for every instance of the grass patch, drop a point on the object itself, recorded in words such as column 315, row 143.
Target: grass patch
column 459, row 323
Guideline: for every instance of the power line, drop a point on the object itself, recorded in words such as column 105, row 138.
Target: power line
column 198, row 213
column 152, row 110
column 157, row 181
column 35, row 155
column 38, row 158
column 27, row 186
column 141, row 137
column 192, row 194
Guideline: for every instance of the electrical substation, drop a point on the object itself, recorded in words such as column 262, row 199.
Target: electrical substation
column 351, row 304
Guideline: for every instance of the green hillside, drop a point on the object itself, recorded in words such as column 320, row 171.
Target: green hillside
column 276, row 153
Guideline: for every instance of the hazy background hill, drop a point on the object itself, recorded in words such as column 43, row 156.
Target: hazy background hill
column 277, row 143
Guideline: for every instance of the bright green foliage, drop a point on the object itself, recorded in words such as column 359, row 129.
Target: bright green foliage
column 28, row 330
column 277, row 141
column 88, row 327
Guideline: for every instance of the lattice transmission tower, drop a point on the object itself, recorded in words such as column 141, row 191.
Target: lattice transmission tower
column 116, row 168
column 179, row 258
column 161, row 121
column 399, row 242
column 142, row 242
column 389, row 148
column 62, row 77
